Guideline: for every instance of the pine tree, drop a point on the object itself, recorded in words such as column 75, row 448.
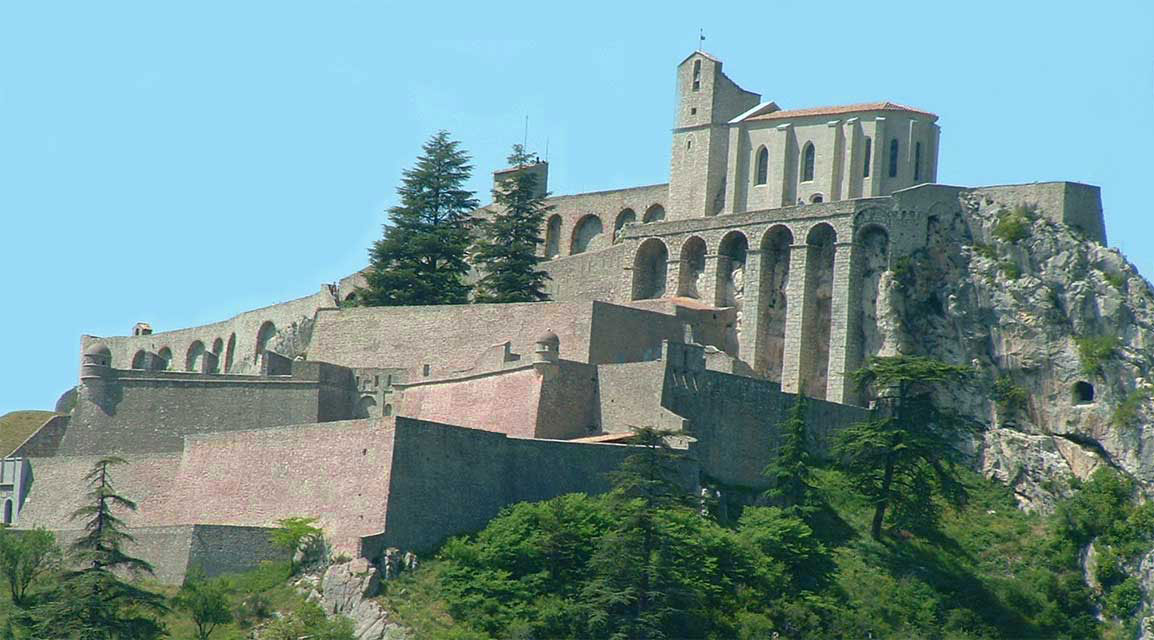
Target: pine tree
column 421, row 258
column 93, row 602
column 904, row 455
column 507, row 251
column 789, row 472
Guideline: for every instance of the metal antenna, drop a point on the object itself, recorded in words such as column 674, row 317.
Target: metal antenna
column 525, row 140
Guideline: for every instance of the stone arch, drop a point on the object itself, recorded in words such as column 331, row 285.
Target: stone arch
column 165, row 355
column 732, row 253
column 229, row 352
column 691, row 268
column 655, row 213
column 194, row 357
column 140, row 359
column 872, row 261
column 263, row 336
column 816, row 198
column 627, row 216
column 553, row 237
column 769, row 352
column 218, row 351
column 8, row 511
column 585, row 234
column 649, row 268
column 817, row 313
column 366, row 407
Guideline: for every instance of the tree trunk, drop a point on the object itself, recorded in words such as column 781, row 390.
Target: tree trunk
column 883, row 499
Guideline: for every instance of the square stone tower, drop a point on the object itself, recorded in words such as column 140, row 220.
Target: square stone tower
column 706, row 101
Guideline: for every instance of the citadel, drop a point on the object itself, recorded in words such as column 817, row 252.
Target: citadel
column 761, row 271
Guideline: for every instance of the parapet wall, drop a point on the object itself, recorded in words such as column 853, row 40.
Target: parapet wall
column 1075, row 204
column 593, row 275
column 242, row 332
column 448, row 480
column 134, row 411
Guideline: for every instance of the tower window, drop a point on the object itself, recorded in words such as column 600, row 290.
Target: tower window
column 762, row 166
column 917, row 161
column 868, row 157
column 894, row 158
column 807, row 161
column 697, row 75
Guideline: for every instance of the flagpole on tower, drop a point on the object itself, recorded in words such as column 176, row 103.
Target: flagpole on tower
column 701, row 39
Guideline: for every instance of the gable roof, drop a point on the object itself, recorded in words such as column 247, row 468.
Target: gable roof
column 701, row 53
column 839, row 110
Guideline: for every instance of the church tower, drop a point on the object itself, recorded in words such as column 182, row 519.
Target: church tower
column 706, row 101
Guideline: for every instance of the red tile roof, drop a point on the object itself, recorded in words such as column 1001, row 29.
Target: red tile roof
column 839, row 110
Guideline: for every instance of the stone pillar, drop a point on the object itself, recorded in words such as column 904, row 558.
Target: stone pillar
column 751, row 320
column 672, row 275
column 783, row 166
column 839, row 388
column 794, row 318
column 830, row 183
column 714, row 290
column 734, row 174
column 849, row 167
column 880, row 152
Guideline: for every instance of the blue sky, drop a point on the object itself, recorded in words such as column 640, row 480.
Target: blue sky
column 178, row 163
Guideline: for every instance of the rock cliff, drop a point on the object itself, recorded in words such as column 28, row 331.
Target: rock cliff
column 1060, row 330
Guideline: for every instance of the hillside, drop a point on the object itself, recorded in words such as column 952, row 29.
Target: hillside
column 16, row 426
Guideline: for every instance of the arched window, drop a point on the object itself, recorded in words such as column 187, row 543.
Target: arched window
column 263, row 336
column 697, row 75
column 917, row 161
column 817, row 198
column 656, row 213
column 627, row 216
column 585, row 235
column 553, row 237
column 807, row 161
column 869, row 148
column 762, row 166
column 894, row 158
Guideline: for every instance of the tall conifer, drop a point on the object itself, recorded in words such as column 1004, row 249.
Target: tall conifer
column 506, row 255
column 421, row 258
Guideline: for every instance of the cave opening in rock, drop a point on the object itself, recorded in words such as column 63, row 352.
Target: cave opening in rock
column 1083, row 392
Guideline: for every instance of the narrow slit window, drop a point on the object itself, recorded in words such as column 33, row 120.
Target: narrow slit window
column 762, row 166
column 868, row 157
column 697, row 75
column 894, row 158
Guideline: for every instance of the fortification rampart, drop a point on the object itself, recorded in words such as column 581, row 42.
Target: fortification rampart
column 237, row 342
column 591, row 221
column 131, row 411
column 593, row 275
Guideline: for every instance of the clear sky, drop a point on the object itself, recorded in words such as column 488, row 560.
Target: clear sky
column 178, row 163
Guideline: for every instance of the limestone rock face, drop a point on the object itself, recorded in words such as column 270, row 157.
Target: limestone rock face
column 1014, row 303
column 346, row 589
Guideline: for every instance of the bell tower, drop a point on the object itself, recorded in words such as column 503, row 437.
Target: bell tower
column 706, row 101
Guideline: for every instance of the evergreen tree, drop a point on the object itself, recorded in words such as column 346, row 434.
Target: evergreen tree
column 507, row 251
column 421, row 258
column 904, row 455
column 93, row 602
column 790, row 469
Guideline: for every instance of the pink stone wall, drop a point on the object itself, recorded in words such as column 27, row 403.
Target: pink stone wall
column 504, row 402
column 337, row 471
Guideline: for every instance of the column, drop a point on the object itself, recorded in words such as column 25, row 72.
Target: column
column 672, row 274
column 714, row 289
column 849, row 169
column 839, row 386
column 831, row 181
column 751, row 320
column 881, row 151
column 794, row 318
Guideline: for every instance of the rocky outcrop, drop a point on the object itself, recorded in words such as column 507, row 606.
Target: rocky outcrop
column 1060, row 330
column 347, row 589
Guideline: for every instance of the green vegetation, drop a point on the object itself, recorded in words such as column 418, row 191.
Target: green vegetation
column 1126, row 412
column 905, row 456
column 1010, row 269
column 1009, row 397
column 205, row 602
column 1014, row 225
column 1117, row 280
column 790, row 470
column 16, row 426
column 24, row 557
column 506, row 254
column 1094, row 351
column 295, row 534
column 421, row 258
column 985, row 250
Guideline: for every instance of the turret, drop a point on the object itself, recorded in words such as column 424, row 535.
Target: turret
column 96, row 372
column 547, row 352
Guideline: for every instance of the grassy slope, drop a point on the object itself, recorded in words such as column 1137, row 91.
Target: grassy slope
column 15, row 427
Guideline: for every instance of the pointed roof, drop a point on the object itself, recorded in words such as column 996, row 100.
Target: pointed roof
column 839, row 110
column 701, row 53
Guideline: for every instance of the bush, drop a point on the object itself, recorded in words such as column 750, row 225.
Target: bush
column 1123, row 600
column 309, row 621
column 1010, row 269
column 1009, row 397
column 985, row 250
column 1014, row 225
column 1126, row 413
column 1094, row 351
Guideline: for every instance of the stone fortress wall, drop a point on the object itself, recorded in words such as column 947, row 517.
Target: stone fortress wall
column 705, row 306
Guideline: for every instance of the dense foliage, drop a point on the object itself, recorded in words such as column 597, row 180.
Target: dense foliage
column 506, row 253
column 421, row 257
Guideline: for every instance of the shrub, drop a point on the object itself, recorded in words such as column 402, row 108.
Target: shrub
column 1118, row 280
column 1010, row 269
column 985, row 250
column 1094, row 351
column 1123, row 600
column 1009, row 397
column 1126, row 413
column 1014, row 225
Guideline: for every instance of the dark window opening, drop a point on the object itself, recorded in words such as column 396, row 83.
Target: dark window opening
column 762, row 166
column 1083, row 393
column 697, row 75
column 917, row 161
column 817, row 198
column 868, row 157
column 894, row 158
column 807, row 162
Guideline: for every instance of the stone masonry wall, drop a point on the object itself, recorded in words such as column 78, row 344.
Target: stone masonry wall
column 501, row 401
column 593, row 275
